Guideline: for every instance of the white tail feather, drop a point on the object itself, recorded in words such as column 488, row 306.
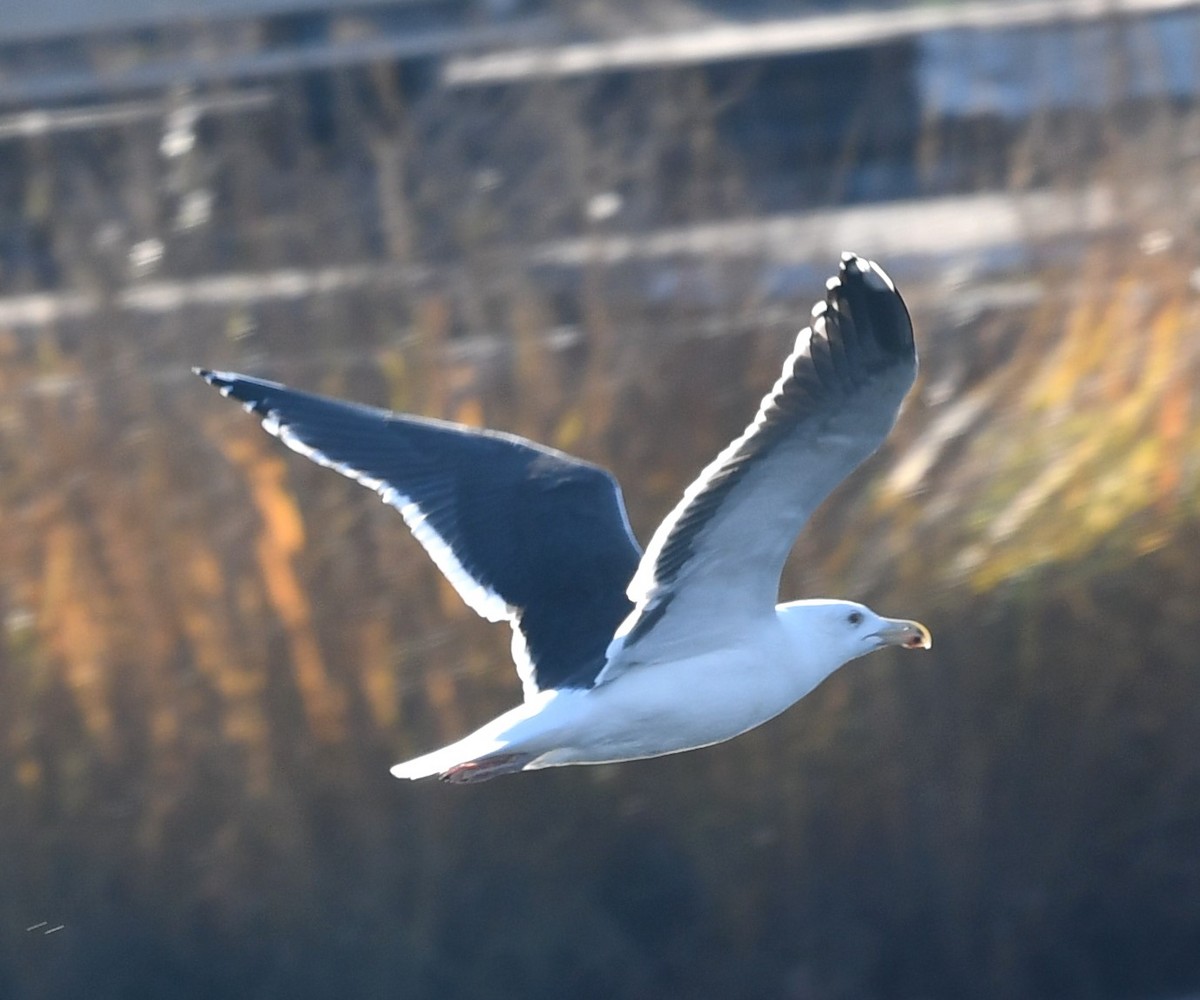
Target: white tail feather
column 440, row 761
column 533, row 727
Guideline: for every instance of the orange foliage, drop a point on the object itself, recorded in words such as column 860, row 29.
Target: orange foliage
column 280, row 540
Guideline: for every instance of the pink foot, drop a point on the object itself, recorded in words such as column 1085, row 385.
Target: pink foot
column 485, row 767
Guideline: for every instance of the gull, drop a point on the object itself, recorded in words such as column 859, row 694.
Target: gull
column 623, row 654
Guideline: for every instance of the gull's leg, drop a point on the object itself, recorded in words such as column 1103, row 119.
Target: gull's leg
column 484, row 768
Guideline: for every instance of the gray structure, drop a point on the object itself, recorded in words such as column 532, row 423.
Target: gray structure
column 68, row 18
column 825, row 110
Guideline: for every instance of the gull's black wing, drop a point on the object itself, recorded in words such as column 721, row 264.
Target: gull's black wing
column 525, row 533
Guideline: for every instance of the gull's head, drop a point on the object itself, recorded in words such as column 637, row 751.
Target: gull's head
column 840, row 631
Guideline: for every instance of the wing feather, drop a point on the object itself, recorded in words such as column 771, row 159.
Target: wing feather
column 523, row 532
column 715, row 562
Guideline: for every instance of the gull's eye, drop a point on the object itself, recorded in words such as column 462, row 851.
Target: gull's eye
column 854, row 618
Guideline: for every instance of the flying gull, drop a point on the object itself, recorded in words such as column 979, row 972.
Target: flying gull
column 624, row 654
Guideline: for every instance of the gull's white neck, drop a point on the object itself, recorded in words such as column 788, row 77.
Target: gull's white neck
column 812, row 650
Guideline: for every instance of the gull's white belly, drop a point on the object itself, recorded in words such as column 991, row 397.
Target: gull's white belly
column 664, row 708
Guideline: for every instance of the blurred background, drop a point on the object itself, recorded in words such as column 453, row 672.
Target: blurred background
column 598, row 224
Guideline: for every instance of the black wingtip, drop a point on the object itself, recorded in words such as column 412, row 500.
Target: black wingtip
column 253, row 393
column 223, row 382
column 852, row 265
column 209, row 376
column 863, row 290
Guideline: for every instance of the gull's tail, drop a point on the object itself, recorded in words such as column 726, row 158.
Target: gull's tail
column 509, row 743
column 443, row 761
column 461, row 772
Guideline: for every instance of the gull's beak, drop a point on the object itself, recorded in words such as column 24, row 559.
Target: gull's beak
column 898, row 632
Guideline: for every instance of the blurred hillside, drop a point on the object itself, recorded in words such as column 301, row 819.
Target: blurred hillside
column 213, row 650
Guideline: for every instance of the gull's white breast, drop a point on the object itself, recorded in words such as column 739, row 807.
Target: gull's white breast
column 664, row 707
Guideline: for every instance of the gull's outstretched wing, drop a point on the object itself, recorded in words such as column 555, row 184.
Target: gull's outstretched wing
column 716, row 560
column 524, row 533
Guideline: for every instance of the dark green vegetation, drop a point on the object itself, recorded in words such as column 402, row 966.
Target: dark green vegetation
column 212, row 651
